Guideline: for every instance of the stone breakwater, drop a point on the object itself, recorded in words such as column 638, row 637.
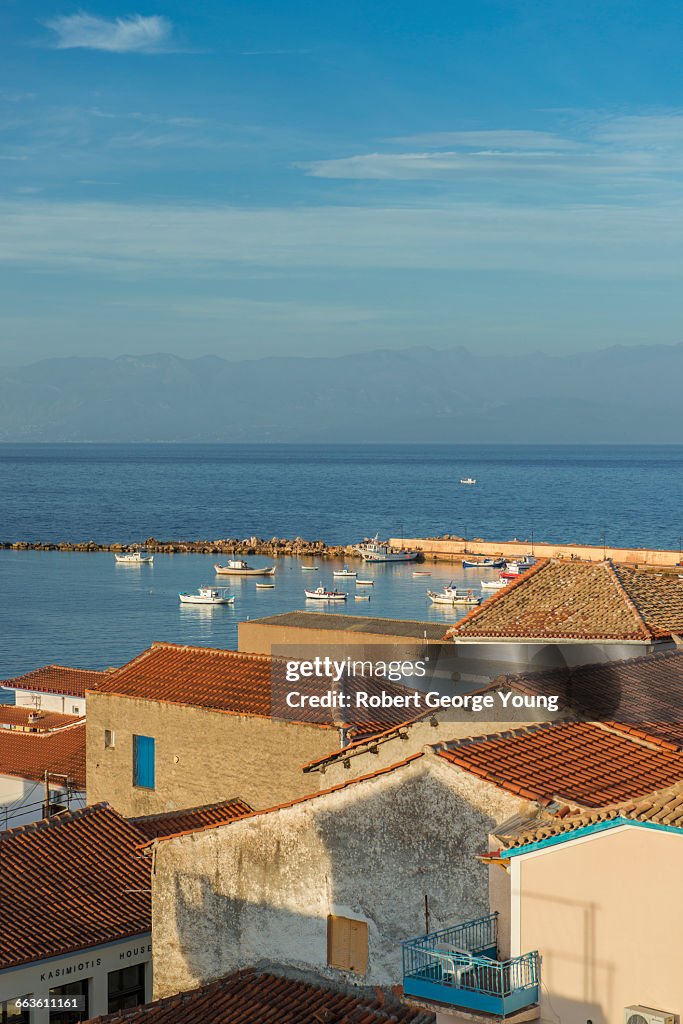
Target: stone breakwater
column 276, row 547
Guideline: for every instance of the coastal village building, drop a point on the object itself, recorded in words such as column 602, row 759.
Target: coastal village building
column 42, row 764
column 74, row 915
column 598, row 894
column 560, row 613
column 179, row 726
column 51, row 688
column 256, row 997
column 336, row 881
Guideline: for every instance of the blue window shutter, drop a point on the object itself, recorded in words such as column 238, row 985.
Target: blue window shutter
column 143, row 761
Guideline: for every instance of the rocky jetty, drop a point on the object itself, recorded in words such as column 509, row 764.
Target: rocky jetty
column 276, row 547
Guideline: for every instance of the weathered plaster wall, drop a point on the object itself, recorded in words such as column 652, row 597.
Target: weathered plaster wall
column 453, row 550
column 201, row 756
column 260, row 890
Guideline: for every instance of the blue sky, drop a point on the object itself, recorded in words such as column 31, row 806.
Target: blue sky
column 295, row 177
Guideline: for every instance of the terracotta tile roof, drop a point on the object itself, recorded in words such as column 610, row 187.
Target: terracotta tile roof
column 299, row 800
column 364, row 742
column 70, row 882
column 73, row 682
column 29, row 755
column 663, row 807
column 643, row 695
column 575, row 762
column 152, row 826
column 240, row 684
column 250, row 997
column 36, row 721
column 571, row 600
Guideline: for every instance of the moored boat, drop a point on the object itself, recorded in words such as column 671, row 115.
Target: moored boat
column 375, row 550
column 365, row 583
column 207, row 595
column 309, row 568
column 451, row 595
column 345, row 572
column 265, row 586
column 134, row 558
column 416, row 572
column 320, row 594
column 238, row 567
column 493, row 584
column 483, row 563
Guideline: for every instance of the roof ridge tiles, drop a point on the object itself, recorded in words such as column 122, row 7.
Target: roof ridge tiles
column 56, row 820
column 498, row 594
column 630, row 603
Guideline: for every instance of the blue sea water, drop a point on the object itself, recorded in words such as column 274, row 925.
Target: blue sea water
column 82, row 609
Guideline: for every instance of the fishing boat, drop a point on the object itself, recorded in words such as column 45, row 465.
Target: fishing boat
column 514, row 569
column 320, row 594
column 417, row 572
column 207, row 595
column 265, row 586
column 134, row 558
column 345, row 572
column 451, row 595
column 238, row 567
column 309, row 568
column 493, row 584
column 365, row 583
column 469, row 480
column 484, row 563
column 375, row 550
column 362, row 597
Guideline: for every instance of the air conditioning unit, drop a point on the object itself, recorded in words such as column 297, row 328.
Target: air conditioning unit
column 646, row 1015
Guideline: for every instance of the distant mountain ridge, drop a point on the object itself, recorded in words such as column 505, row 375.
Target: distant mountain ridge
column 615, row 395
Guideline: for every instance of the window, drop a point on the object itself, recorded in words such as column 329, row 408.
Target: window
column 109, row 739
column 126, row 988
column 11, row 1014
column 75, row 710
column 76, row 988
column 347, row 944
column 143, row 761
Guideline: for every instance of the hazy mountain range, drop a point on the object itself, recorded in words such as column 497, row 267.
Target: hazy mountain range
column 617, row 395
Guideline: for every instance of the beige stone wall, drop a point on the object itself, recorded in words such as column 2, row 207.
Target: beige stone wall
column 260, row 890
column 453, row 550
column 201, row 756
column 606, row 914
column 270, row 638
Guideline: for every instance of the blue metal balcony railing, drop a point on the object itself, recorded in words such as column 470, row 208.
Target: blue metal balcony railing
column 458, row 966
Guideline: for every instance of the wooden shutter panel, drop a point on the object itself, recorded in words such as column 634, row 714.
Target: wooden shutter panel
column 347, row 944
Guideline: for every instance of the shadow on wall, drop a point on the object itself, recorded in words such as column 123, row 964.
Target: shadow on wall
column 262, row 890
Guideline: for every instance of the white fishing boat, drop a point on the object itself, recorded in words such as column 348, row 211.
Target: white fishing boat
column 416, row 572
column 345, row 572
column 493, row 584
column 207, row 595
column 265, row 586
column 451, row 595
column 375, row 550
column 362, row 597
column 468, row 480
column 238, row 567
column 365, row 583
column 134, row 558
column 320, row 594
column 309, row 568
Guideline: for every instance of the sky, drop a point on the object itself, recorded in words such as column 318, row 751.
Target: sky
column 294, row 177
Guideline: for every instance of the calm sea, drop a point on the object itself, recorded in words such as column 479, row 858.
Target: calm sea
column 84, row 610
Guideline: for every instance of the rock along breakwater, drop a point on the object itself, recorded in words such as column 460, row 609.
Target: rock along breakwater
column 276, row 547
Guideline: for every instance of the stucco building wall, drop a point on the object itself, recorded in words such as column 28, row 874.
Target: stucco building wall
column 260, row 890
column 201, row 756
column 606, row 914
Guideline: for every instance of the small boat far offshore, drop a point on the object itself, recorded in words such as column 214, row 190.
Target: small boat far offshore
column 375, row 550
column 320, row 594
column 207, row 595
column 134, row 558
column 468, row 480
column 238, row 567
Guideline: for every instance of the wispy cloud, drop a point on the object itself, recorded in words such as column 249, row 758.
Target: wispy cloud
column 134, row 34
column 495, row 138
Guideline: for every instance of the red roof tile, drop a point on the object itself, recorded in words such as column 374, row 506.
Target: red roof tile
column 29, row 718
column 152, row 826
column 240, row 684
column 70, row 882
column 643, row 695
column 250, row 997
column 560, row 600
column 29, row 755
column 577, row 762
column 72, row 682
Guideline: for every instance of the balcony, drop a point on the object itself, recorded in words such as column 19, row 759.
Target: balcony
column 458, row 967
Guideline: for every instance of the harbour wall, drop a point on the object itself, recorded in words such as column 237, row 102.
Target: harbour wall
column 453, row 549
